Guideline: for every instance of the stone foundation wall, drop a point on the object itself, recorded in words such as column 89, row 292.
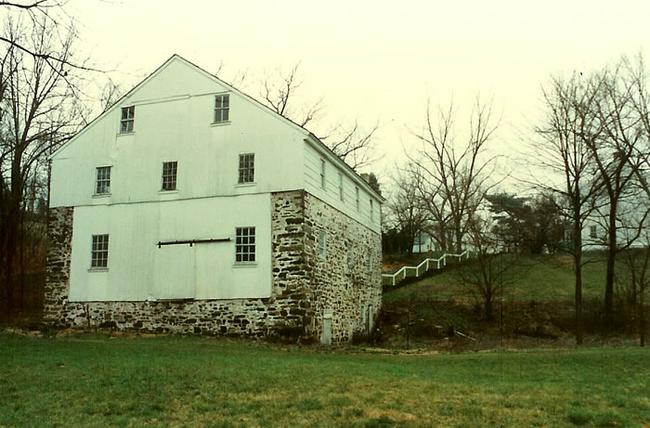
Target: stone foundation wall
column 59, row 250
column 347, row 277
column 304, row 286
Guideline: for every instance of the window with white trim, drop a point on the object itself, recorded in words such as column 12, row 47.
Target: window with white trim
column 356, row 195
column 246, row 168
column 322, row 174
column 103, row 180
column 221, row 108
column 99, row 252
column 127, row 120
column 593, row 232
column 245, row 244
column 341, row 187
column 372, row 210
column 169, row 170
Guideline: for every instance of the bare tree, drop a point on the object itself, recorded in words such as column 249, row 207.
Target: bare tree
column 592, row 138
column 454, row 175
column 490, row 270
column 351, row 143
column 40, row 111
column 278, row 91
column 616, row 154
column 111, row 93
column 41, row 13
column 565, row 152
column 405, row 209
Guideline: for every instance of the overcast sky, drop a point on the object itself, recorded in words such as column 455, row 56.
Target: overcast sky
column 373, row 60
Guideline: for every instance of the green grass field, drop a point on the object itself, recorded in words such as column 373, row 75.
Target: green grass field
column 93, row 380
column 539, row 278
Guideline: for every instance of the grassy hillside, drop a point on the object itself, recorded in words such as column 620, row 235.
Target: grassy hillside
column 177, row 381
column 537, row 302
column 541, row 279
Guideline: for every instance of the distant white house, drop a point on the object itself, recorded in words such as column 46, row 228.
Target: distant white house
column 632, row 227
column 188, row 206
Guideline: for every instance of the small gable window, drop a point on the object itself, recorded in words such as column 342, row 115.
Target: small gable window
column 103, row 181
column 169, row 175
column 322, row 174
column 128, row 118
column 246, row 168
column 221, row 108
column 356, row 195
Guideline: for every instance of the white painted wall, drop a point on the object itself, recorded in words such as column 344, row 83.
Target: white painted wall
column 312, row 183
column 139, row 270
column 173, row 121
column 174, row 111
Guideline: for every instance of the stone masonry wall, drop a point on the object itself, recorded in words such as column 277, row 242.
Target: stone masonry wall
column 59, row 249
column 305, row 284
column 346, row 276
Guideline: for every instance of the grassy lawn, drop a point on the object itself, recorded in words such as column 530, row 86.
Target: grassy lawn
column 98, row 381
column 540, row 278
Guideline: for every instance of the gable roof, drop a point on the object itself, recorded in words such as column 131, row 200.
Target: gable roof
column 310, row 137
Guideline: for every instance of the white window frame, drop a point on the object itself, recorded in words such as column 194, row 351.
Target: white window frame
column 222, row 108
column 99, row 251
column 127, row 120
column 593, row 231
column 102, row 181
column 169, row 176
column 323, row 178
column 245, row 245
column 246, row 168
column 356, row 194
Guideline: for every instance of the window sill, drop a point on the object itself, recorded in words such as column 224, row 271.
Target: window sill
column 167, row 192
column 223, row 123
column 98, row 269
column 244, row 264
column 124, row 134
column 101, row 195
column 246, row 184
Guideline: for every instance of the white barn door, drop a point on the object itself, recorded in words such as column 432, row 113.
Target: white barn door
column 175, row 272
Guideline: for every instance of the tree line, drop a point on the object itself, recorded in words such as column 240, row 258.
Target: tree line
column 591, row 151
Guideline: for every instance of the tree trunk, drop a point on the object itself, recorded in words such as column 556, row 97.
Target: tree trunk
column 611, row 260
column 642, row 288
column 578, row 297
column 488, row 307
column 459, row 240
column 10, row 251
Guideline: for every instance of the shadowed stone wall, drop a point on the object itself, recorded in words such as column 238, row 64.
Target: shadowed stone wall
column 304, row 283
column 346, row 276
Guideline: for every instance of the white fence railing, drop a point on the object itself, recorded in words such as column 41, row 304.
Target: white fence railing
column 424, row 266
